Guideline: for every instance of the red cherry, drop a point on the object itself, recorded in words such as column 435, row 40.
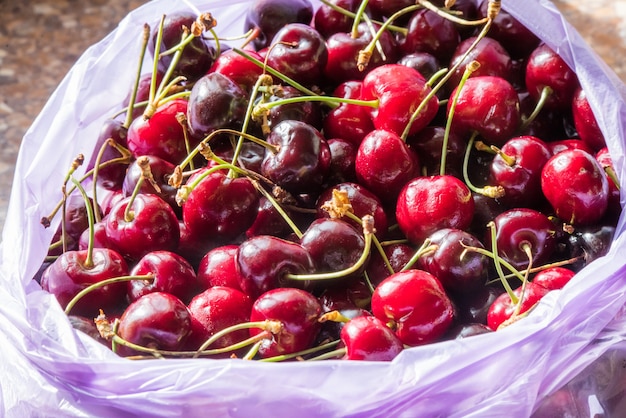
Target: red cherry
column 503, row 309
column 416, row 304
column 553, row 278
column 585, row 121
column 493, row 58
column 431, row 33
column 219, row 268
column 368, row 338
column 348, row 121
column 427, row 204
column 297, row 310
column 238, row 68
column 576, row 187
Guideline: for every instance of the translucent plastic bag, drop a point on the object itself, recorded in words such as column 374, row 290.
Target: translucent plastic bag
column 49, row 369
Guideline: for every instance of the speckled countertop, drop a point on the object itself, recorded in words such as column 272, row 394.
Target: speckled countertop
column 41, row 39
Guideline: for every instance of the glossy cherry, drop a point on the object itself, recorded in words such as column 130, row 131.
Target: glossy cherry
column 219, row 268
column 161, row 171
column 238, row 68
column 328, row 21
column 504, row 310
column 350, row 122
column 267, row 17
column 297, row 310
column 431, row 33
column 398, row 255
column 585, row 121
column 368, row 338
column 494, row 60
column 553, row 278
column 415, row 304
column 427, row 204
column 576, row 186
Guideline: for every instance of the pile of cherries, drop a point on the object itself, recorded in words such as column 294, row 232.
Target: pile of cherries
column 345, row 182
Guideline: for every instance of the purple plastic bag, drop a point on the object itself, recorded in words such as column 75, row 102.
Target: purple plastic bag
column 47, row 366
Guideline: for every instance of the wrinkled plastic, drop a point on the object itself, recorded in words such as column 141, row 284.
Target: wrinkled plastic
column 47, row 366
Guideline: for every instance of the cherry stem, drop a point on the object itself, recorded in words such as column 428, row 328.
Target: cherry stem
column 447, row 15
column 469, row 69
column 124, row 159
column 275, row 73
column 262, row 108
column 498, row 263
column 493, row 192
column 546, row 92
column 279, row 209
column 366, row 54
column 510, row 161
column 102, row 283
column 610, row 172
column 272, row 327
column 445, row 78
column 312, row 350
column 133, row 95
column 330, row 355
column 352, row 15
column 368, row 228
column 334, row 316
column 146, row 174
column 354, row 33
column 539, row 268
column 424, row 249
column 253, row 351
column 527, row 248
column 90, row 220
column 155, row 69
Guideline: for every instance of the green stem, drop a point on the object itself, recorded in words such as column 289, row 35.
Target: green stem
column 90, row 220
column 312, row 350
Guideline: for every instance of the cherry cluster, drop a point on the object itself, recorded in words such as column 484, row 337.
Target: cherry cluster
column 346, row 182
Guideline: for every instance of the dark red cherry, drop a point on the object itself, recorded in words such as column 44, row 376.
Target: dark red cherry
column 150, row 224
column 517, row 39
column 473, row 307
column 384, row 164
column 431, row 33
column 110, row 177
column 299, row 52
column 197, row 56
column 172, row 274
column 495, row 116
column 157, row 320
column 399, row 90
column 503, row 308
column 368, row 338
column 462, row 331
column 457, row 270
column 215, row 309
column 161, row 135
column 517, row 168
column 269, row 16
column 342, row 161
column 309, row 112
column 553, row 278
column 328, row 21
column 521, row 228
column 76, row 218
column 614, row 207
column 397, row 254
column 363, row 202
column 269, row 221
column 416, row 304
column 219, row 268
column 576, row 186
column 215, row 102
column 99, row 240
column 348, row 121
column 264, row 260
column 545, row 68
column 427, row 204
column 494, row 60
column 297, row 310
column 302, row 160
column 429, row 143
column 70, row 273
column 385, row 8
column 423, row 62
column 161, row 171
column 220, row 207
column 585, row 121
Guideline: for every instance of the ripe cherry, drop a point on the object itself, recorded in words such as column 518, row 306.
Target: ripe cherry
column 585, row 121
column 553, row 278
column 368, row 338
column 494, row 60
column 504, row 309
column 266, row 17
column 431, row 33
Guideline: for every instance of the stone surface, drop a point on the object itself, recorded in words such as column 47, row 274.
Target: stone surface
column 41, row 39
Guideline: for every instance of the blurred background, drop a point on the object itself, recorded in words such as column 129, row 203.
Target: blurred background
column 41, row 39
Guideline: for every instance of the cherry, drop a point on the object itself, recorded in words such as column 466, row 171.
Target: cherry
column 214, row 310
column 553, row 278
column 494, row 60
column 298, row 52
column 348, row 121
column 427, row 204
column 161, row 171
column 219, row 268
column 87, row 326
column 309, row 112
column 384, row 164
column 415, row 304
column 197, row 56
column 576, row 187
column 333, row 245
column 139, row 225
column 342, row 161
column 143, row 92
column 431, row 33
column 266, row 17
column 302, row 160
column 585, row 121
column 429, row 143
column 545, row 68
column 457, row 271
column 264, row 261
column 157, row 320
column 161, row 135
column 521, row 234
column 74, row 271
column 516, row 38
column 423, row 62
column 343, row 52
column 110, row 177
column 215, row 102
column 172, row 274
column 495, row 116
column 462, row 331
column 239, row 69
column 328, row 21
column 362, row 201
column 99, row 239
column 503, row 309
column 517, row 168
column 220, row 207
column 399, row 90
column 614, row 208
column 368, row 338
column 386, row 8
column 75, row 214
column 473, row 307
column 567, row 144
column 297, row 310
column 591, row 242
column 486, row 209
column 397, row 254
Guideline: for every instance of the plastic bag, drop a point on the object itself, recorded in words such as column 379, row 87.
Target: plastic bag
column 47, row 366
